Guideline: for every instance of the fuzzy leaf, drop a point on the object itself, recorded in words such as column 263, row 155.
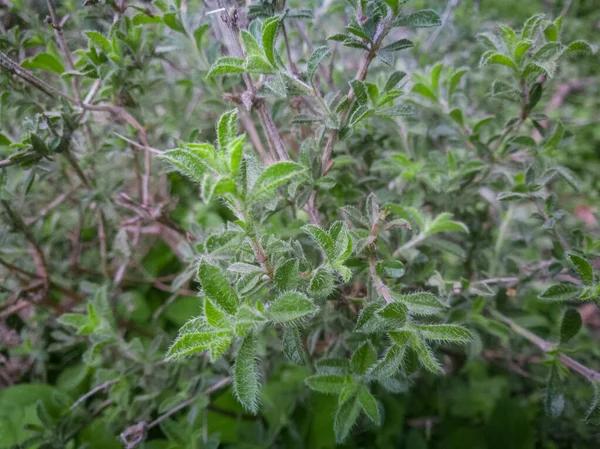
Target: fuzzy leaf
column 423, row 303
column 227, row 128
column 292, row 345
column 369, row 321
column 291, row 306
column 402, row 44
column 389, row 364
column 226, row 65
column 245, row 376
column 369, row 404
column 322, row 239
column 570, row 325
column 247, row 318
column 318, row 55
column 215, row 316
column 322, row 283
column 193, row 342
column 425, row 18
column 217, row 288
column 390, row 268
column 269, row 34
column 363, row 358
column 582, row 267
column 328, row 384
column 561, row 292
column 274, row 176
column 345, row 417
column 555, row 400
column 251, row 45
column 498, row 58
column 444, row 332
column 425, row 354
column 286, row 274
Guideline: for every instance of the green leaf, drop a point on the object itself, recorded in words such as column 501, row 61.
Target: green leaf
column 390, row 268
column 369, row 404
column 274, row 176
column 269, row 34
column 581, row 47
column 193, row 342
column 531, row 26
column 423, row 90
column 322, row 283
column 561, row 292
column 291, row 306
column 226, row 65
column 328, row 384
column 318, row 55
column 74, row 320
column 555, row 400
column 442, row 223
column 498, row 58
column 217, row 288
column 199, row 34
column 99, row 41
column 423, row 303
column 444, row 332
column 215, row 316
column 393, row 81
column 455, row 79
column 582, row 267
column 339, row 367
column 400, row 110
column 286, row 274
column 322, row 239
column 521, row 48
column 570, row 325
column 426, row 18
column 345, row 417
column 247, row 318
column 259, row 65
column 389, row 364
column 402, row 44
column 425, row 355
column 363, row 358
column 193, row 163
column 44, row 61
column 245, row 377
column 227, row 128
column 360, row 91
column 251, row 45
column 292, row 345
column 394, row 314
column 369, row 321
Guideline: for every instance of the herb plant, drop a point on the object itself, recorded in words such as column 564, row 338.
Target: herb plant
column 344, row 223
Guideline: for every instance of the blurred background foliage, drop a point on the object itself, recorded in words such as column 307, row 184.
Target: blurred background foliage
column 490, row 398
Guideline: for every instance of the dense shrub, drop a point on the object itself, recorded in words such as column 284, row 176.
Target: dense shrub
column 294, row 224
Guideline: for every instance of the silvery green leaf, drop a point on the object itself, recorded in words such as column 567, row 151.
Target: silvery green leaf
column 421, row 303
column 444, row 332
column 369, row 405
column 216, row 287
column 292, row 345
column 363, row 358
column 291, row 306
column 561, row 292
column 274, row 176
column 318, row 55
column 325, row 383
column 286, row 274
column 582, row 267
column 425, row 18
column 226, row 65
column 245, row 377
column 345, row 417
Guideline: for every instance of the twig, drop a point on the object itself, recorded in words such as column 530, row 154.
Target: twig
column 93, row 391
column 361, row 75
column 230, row 18
column 546, row 346
column 220, row 384
column 445, row 16
column 57, row 201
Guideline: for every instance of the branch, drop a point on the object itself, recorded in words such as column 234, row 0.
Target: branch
column 230, row 18
column 361, row 75
column 546, row 346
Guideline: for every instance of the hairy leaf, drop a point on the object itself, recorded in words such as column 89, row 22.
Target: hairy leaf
column 291, row 306
column 245, row 377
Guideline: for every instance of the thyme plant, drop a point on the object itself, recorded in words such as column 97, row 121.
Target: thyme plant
column 339, row 220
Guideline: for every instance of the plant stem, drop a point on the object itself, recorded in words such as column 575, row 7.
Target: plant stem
column 546, row 346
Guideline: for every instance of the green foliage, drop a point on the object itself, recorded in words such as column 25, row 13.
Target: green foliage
column 330, row 251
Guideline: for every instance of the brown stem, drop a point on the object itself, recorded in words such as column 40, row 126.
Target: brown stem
column 546, row 346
